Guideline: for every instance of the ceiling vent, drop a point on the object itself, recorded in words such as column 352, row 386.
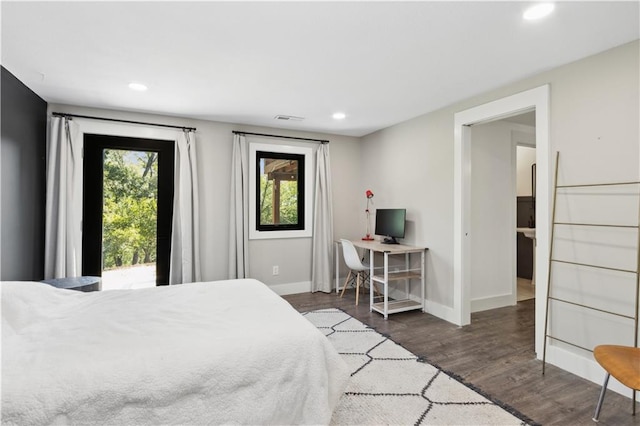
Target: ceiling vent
column 288, row 118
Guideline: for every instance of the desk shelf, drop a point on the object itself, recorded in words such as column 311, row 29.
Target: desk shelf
column 395, row 306
column 399, row 275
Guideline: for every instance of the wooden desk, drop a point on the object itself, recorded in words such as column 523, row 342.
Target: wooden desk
column 385, row 277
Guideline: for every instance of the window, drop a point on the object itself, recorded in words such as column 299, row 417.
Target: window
column 279, row 193
column 280, row 198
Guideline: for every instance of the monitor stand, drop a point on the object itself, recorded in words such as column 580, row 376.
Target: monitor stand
column 390, row 240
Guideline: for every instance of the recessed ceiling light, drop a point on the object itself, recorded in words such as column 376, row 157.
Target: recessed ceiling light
column 339, row 116
column 139, row 87
column 538, row 11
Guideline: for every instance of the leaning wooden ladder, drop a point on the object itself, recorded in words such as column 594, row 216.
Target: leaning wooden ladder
column 552, row 261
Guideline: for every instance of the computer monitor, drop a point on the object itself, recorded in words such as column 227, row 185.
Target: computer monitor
column 390, row 224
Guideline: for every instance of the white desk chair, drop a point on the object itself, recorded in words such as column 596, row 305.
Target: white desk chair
column 355, row 265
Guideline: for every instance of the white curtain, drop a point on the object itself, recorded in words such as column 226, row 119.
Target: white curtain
column 239, row 210
column 63, row 221
column 185, row 234
column 321, row 278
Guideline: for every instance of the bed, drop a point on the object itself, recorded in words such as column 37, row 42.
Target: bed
column 223, row 352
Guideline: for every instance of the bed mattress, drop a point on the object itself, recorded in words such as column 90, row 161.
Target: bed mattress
column 224, row 352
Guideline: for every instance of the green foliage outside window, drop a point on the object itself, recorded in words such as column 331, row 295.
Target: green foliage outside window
column 130, row 208
column 288, row 202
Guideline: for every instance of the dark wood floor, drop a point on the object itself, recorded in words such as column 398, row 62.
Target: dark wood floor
column 495, row 353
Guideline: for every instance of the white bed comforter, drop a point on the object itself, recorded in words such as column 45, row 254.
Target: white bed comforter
column 229, row 352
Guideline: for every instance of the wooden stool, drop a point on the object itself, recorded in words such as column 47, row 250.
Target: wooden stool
column 621, row 362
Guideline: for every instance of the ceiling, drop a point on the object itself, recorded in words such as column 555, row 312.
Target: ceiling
column 245, row 62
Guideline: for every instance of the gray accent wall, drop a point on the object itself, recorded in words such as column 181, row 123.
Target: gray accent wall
column 23, row 173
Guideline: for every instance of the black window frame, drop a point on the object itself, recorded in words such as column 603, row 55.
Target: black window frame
column 92, row 203
column 300, row 158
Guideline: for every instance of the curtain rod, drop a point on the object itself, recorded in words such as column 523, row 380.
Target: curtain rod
column 62, row 114
column 237, row 132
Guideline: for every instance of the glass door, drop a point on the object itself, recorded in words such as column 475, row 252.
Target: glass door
column 127, row 210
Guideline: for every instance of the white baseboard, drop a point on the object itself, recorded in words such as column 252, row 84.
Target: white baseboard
column 586, row 368
column 291, row 288
column 492, row 302
column 441, row 311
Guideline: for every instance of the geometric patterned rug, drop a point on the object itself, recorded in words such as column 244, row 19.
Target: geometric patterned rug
column 391, row 386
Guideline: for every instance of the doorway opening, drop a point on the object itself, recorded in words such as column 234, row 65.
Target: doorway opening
column 127, row 211
column 534, row 99
column 501, row 212
column 129, row 218
column 525, row 217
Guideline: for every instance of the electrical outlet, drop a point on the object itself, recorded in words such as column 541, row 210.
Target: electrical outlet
column 276, row 270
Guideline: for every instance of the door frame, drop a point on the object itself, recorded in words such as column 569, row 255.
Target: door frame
column 537, row 98
column 92, row 200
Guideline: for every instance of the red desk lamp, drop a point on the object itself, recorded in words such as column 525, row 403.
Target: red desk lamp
column 369, row 195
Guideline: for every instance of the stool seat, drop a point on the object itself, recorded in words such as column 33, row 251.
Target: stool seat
column 622, row 362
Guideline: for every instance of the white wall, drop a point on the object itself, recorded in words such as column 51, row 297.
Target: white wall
column 406, row 166
column 293, row 256
column 595, row 116
column 594, row 123
column 526, row 156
